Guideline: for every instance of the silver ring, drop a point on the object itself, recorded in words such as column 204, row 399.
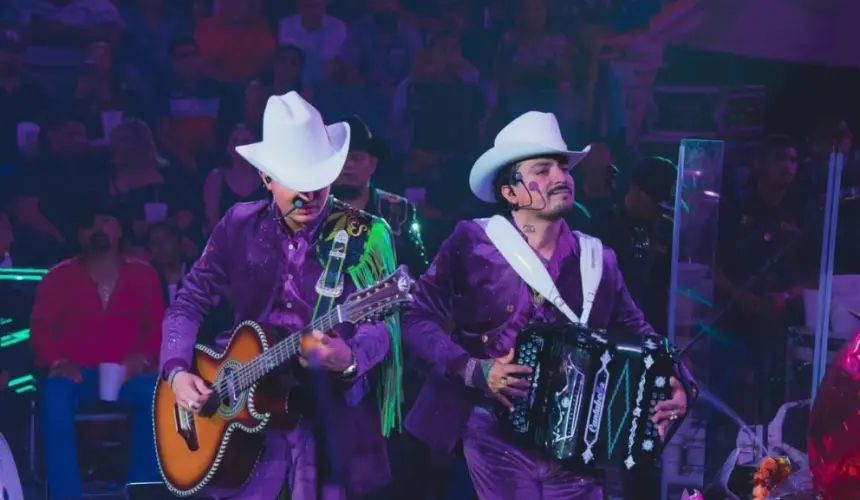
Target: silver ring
column 673, row 416
column 504, row 381
column 192, row 404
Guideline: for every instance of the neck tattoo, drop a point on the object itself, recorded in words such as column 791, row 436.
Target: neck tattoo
column 528, row 228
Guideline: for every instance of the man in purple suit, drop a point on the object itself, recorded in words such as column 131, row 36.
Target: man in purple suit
column 281, row 265
column 527, row 173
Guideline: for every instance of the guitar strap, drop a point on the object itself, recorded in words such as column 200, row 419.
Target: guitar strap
column 330, row 284
column 356, row 244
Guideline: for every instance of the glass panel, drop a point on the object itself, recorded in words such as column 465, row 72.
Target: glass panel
column 745, row 308
column 691, row 301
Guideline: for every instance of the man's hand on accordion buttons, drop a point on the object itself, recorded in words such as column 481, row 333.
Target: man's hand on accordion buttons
column 666, row 412
column 501, row 377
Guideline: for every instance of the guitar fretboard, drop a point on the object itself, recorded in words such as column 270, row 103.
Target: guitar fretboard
column 280, row 353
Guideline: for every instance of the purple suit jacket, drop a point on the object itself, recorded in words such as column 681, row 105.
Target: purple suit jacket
column 245, row 260
column 472, row 283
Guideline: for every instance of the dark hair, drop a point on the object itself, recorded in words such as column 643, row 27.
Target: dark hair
column 182, row 41
column 56, row 120
column 169, row 227
column 504, row 177
column 267, row 75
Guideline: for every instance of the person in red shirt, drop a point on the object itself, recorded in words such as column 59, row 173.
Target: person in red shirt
column 236, row 42
column 99, row 307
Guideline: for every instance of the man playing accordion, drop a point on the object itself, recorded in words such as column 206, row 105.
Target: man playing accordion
column 527, row 174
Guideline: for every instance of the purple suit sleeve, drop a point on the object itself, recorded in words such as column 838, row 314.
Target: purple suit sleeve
column 203, row 285
column 424, row 320
column 370, row 345
column 626, row 315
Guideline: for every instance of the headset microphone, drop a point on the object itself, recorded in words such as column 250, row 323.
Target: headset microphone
column 297, row 204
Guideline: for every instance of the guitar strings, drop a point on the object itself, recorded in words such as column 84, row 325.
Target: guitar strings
column 256, row 368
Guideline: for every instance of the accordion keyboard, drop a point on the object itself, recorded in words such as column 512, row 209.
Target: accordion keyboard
column 528, row 354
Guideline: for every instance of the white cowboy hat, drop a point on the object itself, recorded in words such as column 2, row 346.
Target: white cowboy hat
column 531, row 134
column 298, row 150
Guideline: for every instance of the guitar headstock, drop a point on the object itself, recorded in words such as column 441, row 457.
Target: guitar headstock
column 381, row 299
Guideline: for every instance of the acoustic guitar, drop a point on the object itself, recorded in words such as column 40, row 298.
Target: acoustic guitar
column 220, row 446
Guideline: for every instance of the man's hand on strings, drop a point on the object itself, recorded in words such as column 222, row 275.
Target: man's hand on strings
column 326, row 351
column 191, row 391
column 502, row 380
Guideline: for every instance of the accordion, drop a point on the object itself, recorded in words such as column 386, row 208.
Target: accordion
column 592, row 395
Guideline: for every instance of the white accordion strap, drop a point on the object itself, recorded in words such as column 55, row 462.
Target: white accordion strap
column 522, row 258
column 591, row 269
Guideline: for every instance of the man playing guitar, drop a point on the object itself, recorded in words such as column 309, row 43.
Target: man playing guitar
column 285, row 263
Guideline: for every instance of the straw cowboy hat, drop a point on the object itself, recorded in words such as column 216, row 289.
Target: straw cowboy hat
column 298, row 150
column 530, row 135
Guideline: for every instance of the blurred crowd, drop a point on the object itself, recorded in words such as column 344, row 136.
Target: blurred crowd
column 143, row 101
column 139, row 104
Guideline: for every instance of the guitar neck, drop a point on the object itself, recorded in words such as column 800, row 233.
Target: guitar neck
column 285, row 350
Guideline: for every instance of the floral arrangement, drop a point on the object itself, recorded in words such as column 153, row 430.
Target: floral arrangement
column 771, row 471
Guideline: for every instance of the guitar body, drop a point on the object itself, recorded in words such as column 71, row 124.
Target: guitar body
column 220, row 450
column 220, row 446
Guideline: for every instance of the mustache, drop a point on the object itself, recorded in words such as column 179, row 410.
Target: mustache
column 560, row 188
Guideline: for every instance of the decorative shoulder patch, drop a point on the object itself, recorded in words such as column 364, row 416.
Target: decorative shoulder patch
column 356, row 223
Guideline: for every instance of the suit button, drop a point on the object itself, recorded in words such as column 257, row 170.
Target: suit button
column 510, row 308
column 289, row 305
column 485, row 339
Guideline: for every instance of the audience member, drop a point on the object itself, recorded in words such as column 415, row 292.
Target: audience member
column 234, row 182
column 253, row 104
column 531, row 56
column 476, row 28
column 380, row 46
column 58, row 32
column 150, row 28
column 236, row 42
column 759, row 232
column 320, row 37
column 145, row 189
column 439, row 74
column 101, row 95
column 23, row 104
column 596, row 184
column 165, row 246
column 188, row 106
column 114, row 316
column 47, row 190
column 639, row 230
column 285, row 74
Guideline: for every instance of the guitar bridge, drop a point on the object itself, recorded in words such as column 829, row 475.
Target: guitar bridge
column 184, row 420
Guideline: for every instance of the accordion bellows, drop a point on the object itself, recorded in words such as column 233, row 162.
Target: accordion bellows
column 592, row 395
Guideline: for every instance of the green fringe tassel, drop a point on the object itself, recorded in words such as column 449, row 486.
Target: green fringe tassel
column 378, row 260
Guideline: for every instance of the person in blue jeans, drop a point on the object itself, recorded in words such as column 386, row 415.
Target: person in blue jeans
column 99, row 307
column 62, row 398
